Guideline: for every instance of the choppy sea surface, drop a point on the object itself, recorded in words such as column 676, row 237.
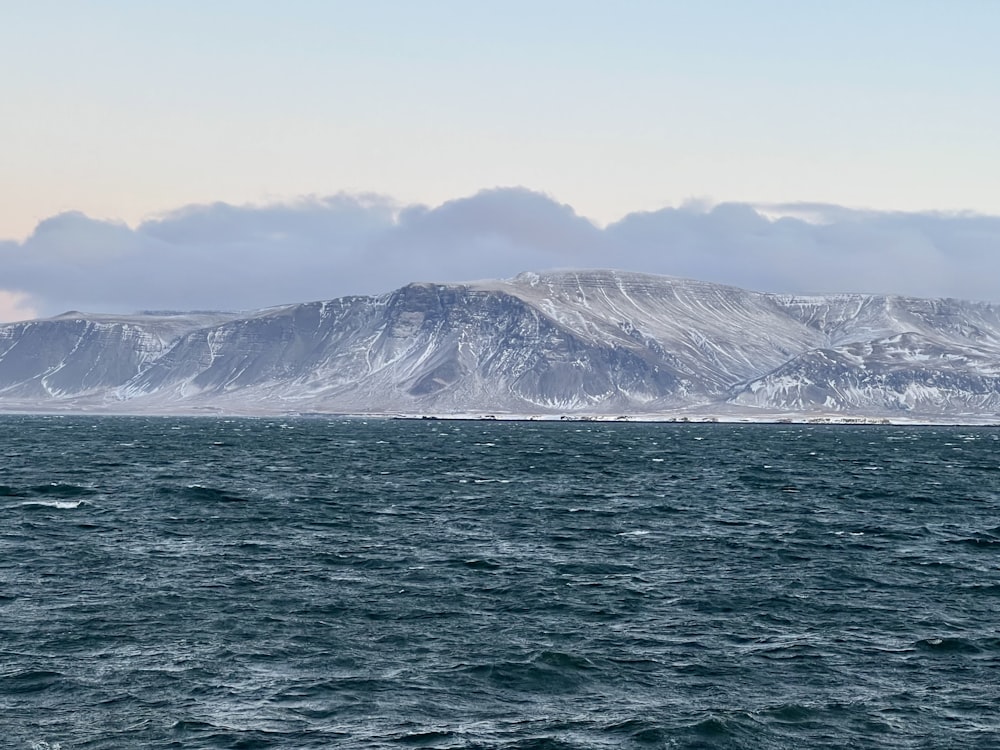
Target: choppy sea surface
column 211, row 583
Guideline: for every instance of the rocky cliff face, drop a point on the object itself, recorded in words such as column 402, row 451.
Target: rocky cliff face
column 595, row 342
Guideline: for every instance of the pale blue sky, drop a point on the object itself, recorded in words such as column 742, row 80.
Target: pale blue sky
column 125, row 110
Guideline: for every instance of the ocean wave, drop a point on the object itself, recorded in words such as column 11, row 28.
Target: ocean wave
column 62, row 504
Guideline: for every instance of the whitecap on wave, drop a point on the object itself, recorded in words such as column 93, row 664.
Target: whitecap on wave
column 64, row 504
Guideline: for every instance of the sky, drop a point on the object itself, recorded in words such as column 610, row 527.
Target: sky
column 240, row 154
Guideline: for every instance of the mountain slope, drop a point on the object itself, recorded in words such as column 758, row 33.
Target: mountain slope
column 594, row 342
column 75, row 354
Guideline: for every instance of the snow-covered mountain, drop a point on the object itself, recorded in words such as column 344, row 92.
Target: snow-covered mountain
column 589, row 342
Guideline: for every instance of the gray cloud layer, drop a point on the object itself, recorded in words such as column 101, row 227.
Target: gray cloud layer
column 243, row 257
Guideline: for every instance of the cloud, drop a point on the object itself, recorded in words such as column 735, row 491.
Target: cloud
column 493, row 234
column 856, row 251
column 14, row 306
column 220, row 256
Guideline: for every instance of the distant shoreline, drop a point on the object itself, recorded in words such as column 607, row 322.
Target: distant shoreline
column 686, row 419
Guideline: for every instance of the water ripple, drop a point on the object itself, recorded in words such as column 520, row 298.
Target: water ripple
column 206, row 583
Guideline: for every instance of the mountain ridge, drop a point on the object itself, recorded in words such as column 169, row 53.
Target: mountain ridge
column 590, row 342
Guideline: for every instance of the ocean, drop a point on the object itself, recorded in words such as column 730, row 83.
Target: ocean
column 329, row 583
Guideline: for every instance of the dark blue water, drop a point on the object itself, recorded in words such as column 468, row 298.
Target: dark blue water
column 203, row 583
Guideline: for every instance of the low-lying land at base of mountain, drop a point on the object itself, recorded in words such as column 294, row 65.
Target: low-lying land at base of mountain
column 603, row 344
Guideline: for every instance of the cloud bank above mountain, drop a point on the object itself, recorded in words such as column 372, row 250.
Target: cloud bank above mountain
column 221, row 256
